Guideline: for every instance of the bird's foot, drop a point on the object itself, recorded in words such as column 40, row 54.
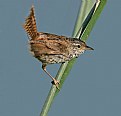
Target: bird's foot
column 56, row 83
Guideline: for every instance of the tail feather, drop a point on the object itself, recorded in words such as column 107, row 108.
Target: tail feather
column 30, row 25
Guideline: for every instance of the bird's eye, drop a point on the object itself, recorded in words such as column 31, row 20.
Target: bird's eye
column 79, row 46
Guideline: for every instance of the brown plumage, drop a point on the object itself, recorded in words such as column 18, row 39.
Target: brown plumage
column 30, row 25
column 50, row 48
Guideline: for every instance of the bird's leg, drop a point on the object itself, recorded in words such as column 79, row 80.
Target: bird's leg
column 56, row 83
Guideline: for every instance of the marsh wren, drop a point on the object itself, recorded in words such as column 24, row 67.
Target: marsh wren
column 50, row 48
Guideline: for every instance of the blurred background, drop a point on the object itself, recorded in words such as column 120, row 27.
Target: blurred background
column 93, row 87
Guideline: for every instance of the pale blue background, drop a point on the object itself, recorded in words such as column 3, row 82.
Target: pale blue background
column 93, row 87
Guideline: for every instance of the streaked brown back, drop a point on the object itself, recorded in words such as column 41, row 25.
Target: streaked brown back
column 30, row 24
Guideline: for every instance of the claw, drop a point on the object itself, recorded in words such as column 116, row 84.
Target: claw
column 56, row 83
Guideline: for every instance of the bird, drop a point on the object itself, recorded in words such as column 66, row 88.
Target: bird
column 51, row 48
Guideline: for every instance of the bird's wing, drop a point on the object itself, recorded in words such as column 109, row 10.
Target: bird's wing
column 50, row 46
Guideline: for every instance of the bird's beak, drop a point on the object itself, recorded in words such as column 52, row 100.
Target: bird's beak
column 88, row 48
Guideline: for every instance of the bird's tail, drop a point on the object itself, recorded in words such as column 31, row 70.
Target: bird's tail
column 30, row 25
